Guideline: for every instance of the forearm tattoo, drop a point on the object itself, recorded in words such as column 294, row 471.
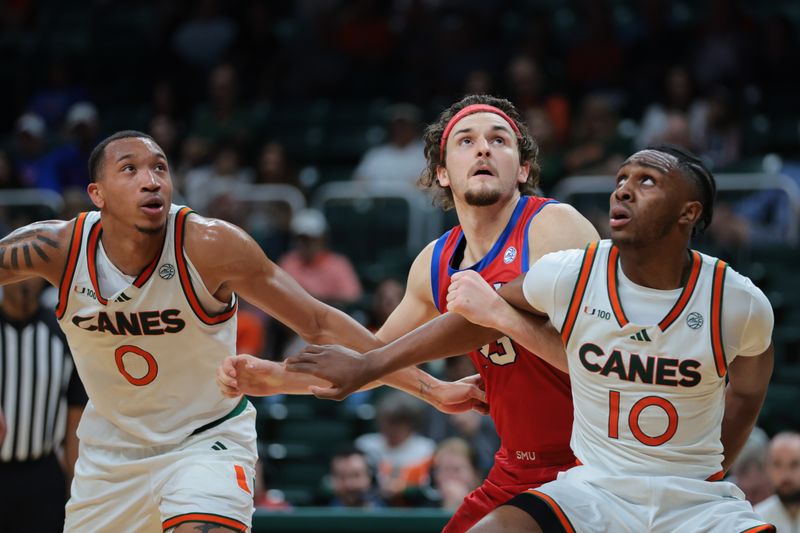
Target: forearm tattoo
column 424, row 388
column 15, row 250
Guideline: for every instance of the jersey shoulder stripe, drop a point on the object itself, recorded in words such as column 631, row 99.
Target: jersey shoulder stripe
column 186, row 282
column 578, row 291
column 69, row 268
column 717, row 345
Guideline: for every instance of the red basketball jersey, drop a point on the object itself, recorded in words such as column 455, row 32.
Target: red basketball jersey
column 529, row 400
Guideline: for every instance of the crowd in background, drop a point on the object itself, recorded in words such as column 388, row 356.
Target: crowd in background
column 311, row 92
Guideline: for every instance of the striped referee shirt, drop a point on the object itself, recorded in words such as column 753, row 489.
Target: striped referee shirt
column 38, row 382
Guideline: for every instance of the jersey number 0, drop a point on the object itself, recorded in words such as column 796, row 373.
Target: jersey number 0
column 135, row 351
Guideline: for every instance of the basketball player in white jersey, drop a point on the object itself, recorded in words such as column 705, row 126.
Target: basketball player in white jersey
column 147, row 298
column 669, row 353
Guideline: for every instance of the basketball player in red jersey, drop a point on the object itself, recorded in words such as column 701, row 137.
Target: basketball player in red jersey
column 147, row 299
column 482, row 161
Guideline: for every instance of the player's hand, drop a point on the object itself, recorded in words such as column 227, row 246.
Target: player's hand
column 345, row 369
column 472, row 297
column 246, row 374
column 461, row 396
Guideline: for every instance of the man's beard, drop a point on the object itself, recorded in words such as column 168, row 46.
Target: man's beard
column 481, row 198
column 150, row 231
column 789, row 497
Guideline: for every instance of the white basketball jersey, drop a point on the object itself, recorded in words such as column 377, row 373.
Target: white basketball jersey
column 649, row 398
column 149, row 353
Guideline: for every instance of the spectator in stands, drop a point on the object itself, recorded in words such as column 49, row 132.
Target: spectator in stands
column 749, row 470
column 402, row 456
column 326, row 275
column 401, row 159
column 222, row 118
column 551, row 153
column 42, row 399
column 783, row 466
column 528, row 86
column 30, row 153
column 478, row 431
column 202, row 40
column 52, row 101
column 454, row 472
column 223, row 176
column 164, row 130
column 82, row 128
column 661, row 118
column 597, row 146
column 273, row 165
column 721, row 140
column 352, row 480
column 387, row 297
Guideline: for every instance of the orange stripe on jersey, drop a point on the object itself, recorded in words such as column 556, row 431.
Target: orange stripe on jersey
column 757, row 529
column 562, row 517
column 613, row 295
column 241, row 478
column 578, row 292
column 716, row 477
column 186, row 282
column 686, row 294
column 175, row 521
column 717, row 346
column 91, row 259
column 69, row 268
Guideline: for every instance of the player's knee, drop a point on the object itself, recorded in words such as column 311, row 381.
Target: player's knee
column 508, row 519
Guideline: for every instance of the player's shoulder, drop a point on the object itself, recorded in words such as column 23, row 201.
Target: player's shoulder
column 556, row 213
column 564, row 258
column 202, row 231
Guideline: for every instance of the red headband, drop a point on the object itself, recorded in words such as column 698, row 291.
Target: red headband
column 469, row 110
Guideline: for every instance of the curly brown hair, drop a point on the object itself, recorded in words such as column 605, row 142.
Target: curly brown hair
column 528, row 149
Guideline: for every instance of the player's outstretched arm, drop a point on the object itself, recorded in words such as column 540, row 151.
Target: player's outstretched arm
column 394, row 365
column 230, row 261
column 748, row 378
column 36, row 250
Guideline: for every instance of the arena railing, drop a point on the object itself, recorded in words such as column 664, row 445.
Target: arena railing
column 32, row 198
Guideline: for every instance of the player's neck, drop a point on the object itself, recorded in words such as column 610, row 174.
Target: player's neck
column 483, row 225
column 664, row 268
column 129, row 249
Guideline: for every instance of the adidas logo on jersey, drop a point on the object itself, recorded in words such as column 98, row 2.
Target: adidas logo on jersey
column 641, row 336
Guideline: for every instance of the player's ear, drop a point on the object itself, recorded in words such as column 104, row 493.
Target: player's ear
column 522, row 174
column 442, row 177
column 96, row 195
column 692, row 211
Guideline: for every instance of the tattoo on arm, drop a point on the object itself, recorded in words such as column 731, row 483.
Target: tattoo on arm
column 40, row 239
column 424, row 388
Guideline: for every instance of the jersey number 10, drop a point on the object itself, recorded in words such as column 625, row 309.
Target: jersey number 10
column 633, row 418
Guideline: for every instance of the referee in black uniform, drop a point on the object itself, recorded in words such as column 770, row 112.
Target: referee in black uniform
column 42, row 399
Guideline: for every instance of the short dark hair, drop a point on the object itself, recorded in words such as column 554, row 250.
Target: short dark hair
column 528, row 149
column 348, row 450
column 96, row 157
column 698, row 173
